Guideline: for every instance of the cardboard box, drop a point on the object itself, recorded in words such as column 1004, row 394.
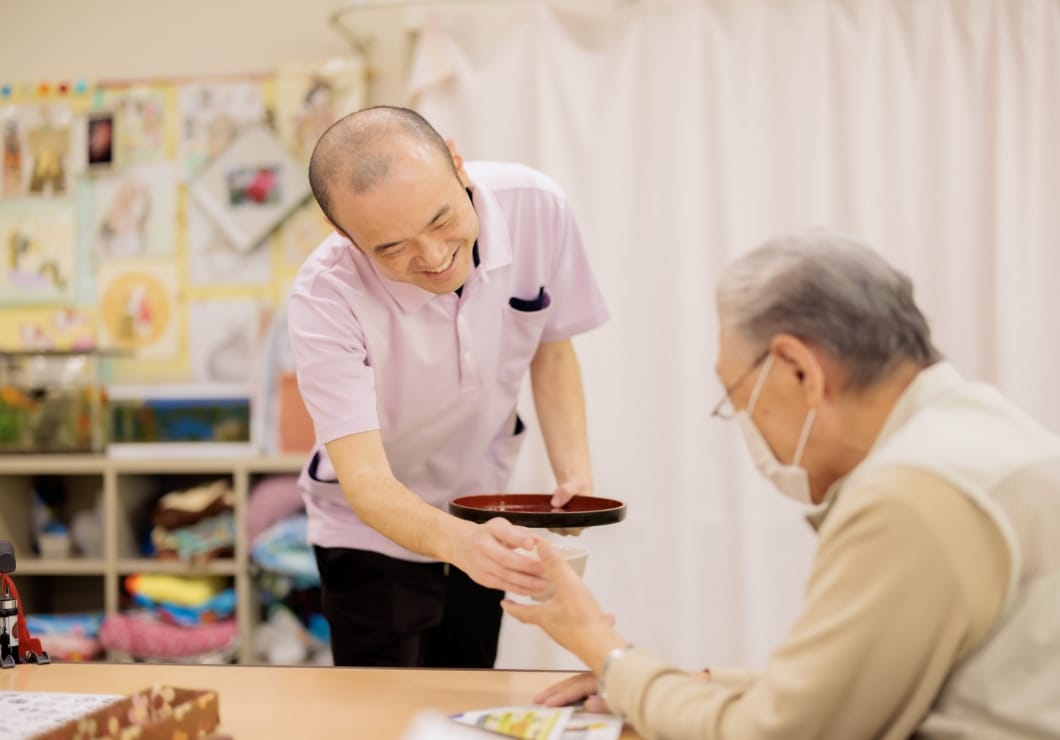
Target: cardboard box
column 157, row 713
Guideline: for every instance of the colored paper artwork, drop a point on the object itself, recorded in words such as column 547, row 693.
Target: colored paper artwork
column 223, row 336
column 47, row 157
column 140, row 114
column 212, row 260
column 47, row 329
column 138, row 308
column 211, row 117
column 250, row 188
column 11, row 143
column 135, row 211
column 302, row 232
column 311, row 98
column 38, row 247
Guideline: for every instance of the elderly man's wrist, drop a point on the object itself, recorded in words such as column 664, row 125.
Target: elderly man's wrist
column 606, row 641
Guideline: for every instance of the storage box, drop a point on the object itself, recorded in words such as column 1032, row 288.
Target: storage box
column 52, row 401
column 157, row 713
column 183, row 420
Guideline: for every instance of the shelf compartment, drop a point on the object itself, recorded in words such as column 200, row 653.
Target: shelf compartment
column 82, row 493
column 58, row 594
column 137, row 496
column 221, row 566
column 59, row 566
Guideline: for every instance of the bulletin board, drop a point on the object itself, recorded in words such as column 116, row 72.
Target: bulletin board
column 165, row 218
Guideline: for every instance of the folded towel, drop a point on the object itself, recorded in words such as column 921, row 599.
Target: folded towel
column 182, row 590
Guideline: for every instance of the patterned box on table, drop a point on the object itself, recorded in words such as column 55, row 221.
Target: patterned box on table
column 158, row 713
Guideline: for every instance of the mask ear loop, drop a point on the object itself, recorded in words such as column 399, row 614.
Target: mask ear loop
column 761, row 381
column 804, row 436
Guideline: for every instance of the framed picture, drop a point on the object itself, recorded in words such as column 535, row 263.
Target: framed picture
column 251, row 187
column 100, row 140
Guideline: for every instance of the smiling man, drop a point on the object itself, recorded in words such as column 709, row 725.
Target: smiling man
column 412, row 328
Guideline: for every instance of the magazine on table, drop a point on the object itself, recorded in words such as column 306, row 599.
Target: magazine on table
column 544, row 723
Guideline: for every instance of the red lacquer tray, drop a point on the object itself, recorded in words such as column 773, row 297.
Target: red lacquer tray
column 535, row 510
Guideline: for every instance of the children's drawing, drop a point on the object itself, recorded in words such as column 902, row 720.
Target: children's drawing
column 48, row 147
column 11, row 142
column 212, row 259
column 141, row 114
column 139, row 309
column 311, row 98
column 211, row 116
column 37, row 251
column 223, row 338
column 135, row 212
column 302, row 232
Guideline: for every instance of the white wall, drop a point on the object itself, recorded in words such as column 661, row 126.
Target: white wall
column 53, row 40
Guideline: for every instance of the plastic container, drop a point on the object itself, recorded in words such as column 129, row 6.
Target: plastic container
column 52, row 402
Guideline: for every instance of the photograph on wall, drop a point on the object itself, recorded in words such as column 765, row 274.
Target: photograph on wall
column 134, row 212
column 140, row 117
column 248, row 189
column 222, row 339
column 100, row 139
column 212, row 260
column 302, row 232
column 211, row 117
column 10, row 135
column 39, row 247
column 48, row 160
column 309, row 98
column 139, row 308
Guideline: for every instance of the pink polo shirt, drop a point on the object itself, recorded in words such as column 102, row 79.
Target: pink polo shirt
column 437, row 375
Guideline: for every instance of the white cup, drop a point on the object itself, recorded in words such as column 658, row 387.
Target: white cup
column 575, row 555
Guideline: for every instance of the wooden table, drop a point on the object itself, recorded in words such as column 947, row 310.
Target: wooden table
column 294, row 702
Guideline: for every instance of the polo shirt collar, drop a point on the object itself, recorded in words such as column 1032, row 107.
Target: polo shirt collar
column 494, row 248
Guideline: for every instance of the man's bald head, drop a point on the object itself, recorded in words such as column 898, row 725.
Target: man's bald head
column 357, row 151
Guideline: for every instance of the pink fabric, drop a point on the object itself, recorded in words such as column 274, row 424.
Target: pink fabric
column 143, row 638
column 71, row 647
column 273, row 498
column 438, row 375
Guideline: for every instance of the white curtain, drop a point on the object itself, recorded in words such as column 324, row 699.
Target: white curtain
column 688, row 132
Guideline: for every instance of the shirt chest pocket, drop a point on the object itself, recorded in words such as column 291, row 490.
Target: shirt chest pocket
column 521, row 332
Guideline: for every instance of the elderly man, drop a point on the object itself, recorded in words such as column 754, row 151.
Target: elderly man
column 412, row 328
column 933, row 606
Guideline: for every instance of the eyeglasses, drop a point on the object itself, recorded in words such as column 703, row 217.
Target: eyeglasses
column 724, row 409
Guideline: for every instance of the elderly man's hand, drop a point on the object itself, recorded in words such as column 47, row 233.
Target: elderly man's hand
column 583, row 687
column 571, row 617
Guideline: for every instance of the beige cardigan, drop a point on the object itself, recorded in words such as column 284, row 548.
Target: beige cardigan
column 852, row 666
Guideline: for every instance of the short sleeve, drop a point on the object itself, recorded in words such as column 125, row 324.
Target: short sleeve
column 336, row 383
column 577, row 304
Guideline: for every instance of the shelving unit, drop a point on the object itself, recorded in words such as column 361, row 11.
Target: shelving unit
column 124, row 489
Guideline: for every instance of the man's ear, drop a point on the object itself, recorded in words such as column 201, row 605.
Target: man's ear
column 802, row 361
column 458, row 161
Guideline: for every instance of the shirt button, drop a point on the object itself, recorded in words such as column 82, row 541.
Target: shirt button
column 467, row 356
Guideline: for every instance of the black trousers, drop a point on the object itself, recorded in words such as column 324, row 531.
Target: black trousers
column 388, row 612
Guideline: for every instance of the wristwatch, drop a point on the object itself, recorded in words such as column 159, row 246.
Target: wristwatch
column 611, row 657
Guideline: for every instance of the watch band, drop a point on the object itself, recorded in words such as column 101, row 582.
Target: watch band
column 609, row 660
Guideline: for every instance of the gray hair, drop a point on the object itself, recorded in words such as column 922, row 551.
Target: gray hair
column 828, row 289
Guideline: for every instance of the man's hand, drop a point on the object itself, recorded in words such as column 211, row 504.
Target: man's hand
column 564, row 492
column 571, row 617
column 486, row 553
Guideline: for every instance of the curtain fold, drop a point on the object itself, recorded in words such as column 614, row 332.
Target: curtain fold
column 688, row 132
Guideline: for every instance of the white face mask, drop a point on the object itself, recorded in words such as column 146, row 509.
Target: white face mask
column 790, row 480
